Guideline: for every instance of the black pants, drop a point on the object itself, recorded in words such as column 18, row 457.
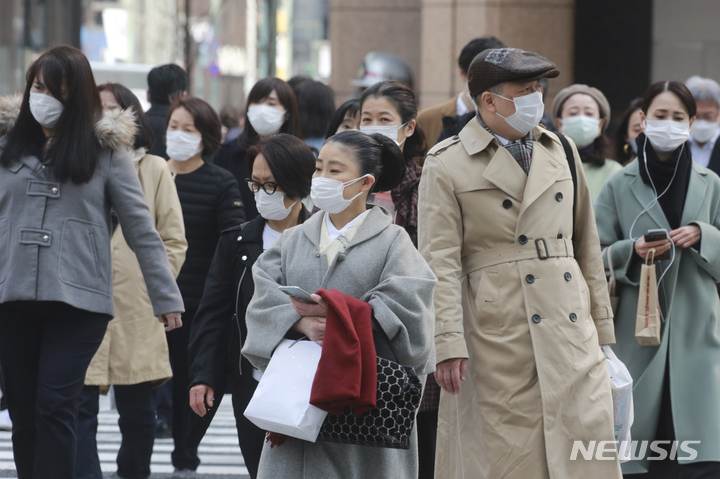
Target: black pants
column 251, row 437
column 137, row 427
column 45, row 349
column 184, row 455
column 671, row 469
column 3, row 400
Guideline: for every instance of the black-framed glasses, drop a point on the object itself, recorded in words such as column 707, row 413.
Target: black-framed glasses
column 269, row 187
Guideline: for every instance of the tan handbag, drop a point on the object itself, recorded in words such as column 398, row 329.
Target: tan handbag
column 614, row 298
column 647, row 325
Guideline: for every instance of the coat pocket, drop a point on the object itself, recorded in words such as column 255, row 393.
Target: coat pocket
column 84, row 257
column 4, row 246
column 484, row 295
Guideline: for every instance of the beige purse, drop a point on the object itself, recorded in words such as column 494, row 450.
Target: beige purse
column 647, row 325
column 614, row 298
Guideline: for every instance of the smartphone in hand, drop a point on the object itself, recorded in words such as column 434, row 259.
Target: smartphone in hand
column 657, row 235
column 297, row 293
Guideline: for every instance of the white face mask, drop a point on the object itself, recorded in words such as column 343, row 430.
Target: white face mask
column 529, row 110
column 703, row 130
column 272, row 207
column 666, row 135
column 391, row 131
column 581, row 129
column 45, row 109
column 181, row 146
column 265, row 119
column 327, row 194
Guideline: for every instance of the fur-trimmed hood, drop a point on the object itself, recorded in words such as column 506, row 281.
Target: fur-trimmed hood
column 115, row 130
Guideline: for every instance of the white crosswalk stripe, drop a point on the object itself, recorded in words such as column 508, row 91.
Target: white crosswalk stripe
column 219, row 450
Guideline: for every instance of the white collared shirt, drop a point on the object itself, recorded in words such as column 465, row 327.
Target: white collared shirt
column 701, row 155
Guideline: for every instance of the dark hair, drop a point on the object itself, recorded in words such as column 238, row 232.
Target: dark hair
column 127, row 99
column 262, row 90
column 166, row 81
column 316, row 102
column 206, row 119
column 404, row 100
column 230, row 116
column 680, row 91
column 74, row 152
column 297, row 80
column 291, row 162
column 621, row 144
column 376, row 154
column 351, row 107
column 474, row 47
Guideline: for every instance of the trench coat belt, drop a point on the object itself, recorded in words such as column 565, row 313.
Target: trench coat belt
column 536, row 249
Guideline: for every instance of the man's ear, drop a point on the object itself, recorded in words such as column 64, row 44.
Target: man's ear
column 487, row 100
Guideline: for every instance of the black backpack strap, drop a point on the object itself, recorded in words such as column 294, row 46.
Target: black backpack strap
column 573, row 171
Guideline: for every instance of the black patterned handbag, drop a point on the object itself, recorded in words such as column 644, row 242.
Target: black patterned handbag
column 388, row 425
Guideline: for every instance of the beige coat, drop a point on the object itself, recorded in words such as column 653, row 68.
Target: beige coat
column 135, row 349
column 529, row 323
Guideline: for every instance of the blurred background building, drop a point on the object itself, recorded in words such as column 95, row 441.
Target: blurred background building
column 226, row 45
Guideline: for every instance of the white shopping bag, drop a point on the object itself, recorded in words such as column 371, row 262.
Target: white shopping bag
column 281, row 402
column 621, row 386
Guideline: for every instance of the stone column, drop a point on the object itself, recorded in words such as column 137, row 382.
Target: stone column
column 542, row 26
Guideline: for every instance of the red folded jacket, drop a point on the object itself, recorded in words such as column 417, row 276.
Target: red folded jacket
column 347, row 371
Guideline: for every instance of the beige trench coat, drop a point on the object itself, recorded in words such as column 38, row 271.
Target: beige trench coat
column 135, row 349
column 527, row 312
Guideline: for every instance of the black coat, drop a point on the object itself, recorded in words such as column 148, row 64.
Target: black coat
column 218, row 328
column 157, row 116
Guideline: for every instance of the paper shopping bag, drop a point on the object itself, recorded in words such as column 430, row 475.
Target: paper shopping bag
column 281, row 402
column 621, row 384
column 647, row 325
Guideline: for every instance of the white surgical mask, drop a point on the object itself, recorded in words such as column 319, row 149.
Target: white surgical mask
column 703, row 130
column 581, row 129
column 327, row 194
column 272, row 207
column 391, row 131
column 265, row 119
column 45, row 109
column 529, row 110
column 666, row 135
column 181, row 146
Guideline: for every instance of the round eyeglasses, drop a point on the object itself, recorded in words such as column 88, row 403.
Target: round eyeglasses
column 269, row 187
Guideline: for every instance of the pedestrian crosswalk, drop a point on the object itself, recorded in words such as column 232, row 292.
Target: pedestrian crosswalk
column 219, row 451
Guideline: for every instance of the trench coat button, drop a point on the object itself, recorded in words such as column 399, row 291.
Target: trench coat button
column 456, row 137
column 530, row 278
column 568, row 276
column 54, row 190
column 522, row 239
column 239, row 238
column 573, row 317
column 559, row 196
column 244, row 258
column 536, row 318
column 559, row 236
column 46, row 238
column 507, row 204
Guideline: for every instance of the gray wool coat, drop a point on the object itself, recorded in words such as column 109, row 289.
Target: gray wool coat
column 55, row 236
column 380, row 266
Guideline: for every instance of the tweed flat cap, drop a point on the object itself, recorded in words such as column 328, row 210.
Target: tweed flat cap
column 597, row 95
column 492, row 67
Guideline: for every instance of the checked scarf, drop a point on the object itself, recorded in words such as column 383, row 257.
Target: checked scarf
column 405, row 199
column 520, row 149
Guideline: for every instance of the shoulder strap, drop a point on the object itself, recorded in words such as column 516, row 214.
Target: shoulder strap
column 573, row 171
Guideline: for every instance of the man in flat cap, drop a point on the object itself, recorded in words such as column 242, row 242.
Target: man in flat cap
column 521, row 303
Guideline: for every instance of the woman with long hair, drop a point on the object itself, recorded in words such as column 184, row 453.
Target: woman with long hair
column 271, row 108
column 63, row 168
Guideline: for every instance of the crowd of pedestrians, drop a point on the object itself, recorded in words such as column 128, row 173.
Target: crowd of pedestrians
column 476, row 235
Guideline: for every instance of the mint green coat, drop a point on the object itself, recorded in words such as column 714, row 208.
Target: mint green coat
column 691, row 334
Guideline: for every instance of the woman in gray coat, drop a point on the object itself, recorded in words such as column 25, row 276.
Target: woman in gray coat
column 362, row 254
column 62, row 168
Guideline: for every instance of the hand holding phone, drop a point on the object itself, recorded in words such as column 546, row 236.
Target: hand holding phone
column 297, row 293
column 662, row 252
